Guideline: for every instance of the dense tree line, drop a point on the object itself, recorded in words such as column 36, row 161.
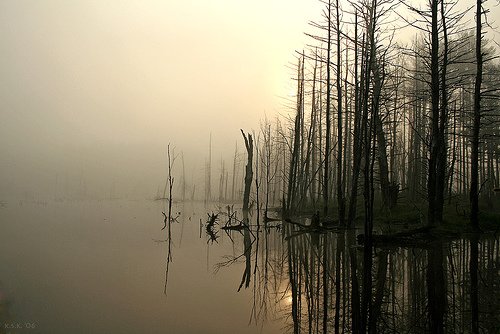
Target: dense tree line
column 378, row 128
column 389, row 123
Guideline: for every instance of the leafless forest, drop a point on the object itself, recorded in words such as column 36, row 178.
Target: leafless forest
column 397, row 141
column 350, row 181
column 376, row 125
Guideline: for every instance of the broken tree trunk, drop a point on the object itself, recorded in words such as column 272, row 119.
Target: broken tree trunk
column 248, row 173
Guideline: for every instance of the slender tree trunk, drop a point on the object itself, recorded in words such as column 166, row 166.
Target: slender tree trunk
column 385, row 185
column 474, row 185
column 357, row 149
column 314, row 155
column 453, row 155
column 340, row 192
column 441, row 164
column 328, row 116
column 369, row 137
column 257, row 181
column 293, row 178
column 248, row 173
column 432, row 211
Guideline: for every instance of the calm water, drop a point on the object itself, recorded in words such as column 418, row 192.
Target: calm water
column 99, row 267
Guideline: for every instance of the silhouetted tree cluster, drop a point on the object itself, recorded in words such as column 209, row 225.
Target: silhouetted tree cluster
column 388, row 123
column 374, row 125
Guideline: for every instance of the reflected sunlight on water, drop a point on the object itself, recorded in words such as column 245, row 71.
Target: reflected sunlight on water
column 94, row 267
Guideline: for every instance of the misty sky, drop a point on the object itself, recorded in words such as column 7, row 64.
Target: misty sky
column 91, row 92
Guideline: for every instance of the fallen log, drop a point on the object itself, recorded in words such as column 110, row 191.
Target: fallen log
column 421, row 237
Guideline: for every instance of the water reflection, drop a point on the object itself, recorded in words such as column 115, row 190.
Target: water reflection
column 323, row 281
column 4, row 310
column 212, row 233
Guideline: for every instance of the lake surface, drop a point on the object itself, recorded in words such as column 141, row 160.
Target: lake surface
column 100, row 267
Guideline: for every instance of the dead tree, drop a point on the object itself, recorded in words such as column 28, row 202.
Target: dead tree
column 357, row 144
column 168, row 218
column 389, row 190
column 369, row 141
column 474, row 185
column 294, row 178
column 248, row 173
column 340, row 157
column 437, row 149
column 328, row 116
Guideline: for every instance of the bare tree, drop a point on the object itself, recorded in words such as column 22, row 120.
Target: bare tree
column 474, row 185
column 248, row 174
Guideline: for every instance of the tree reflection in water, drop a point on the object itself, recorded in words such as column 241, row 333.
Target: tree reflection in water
column 315, row 281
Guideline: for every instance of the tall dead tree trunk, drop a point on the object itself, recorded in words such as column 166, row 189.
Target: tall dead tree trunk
column 293, row 178
column 441, row 164
column 314, row 120
column 340, row 188
column 347, row 130
column 248, row 174
column 474, row 185
column 357, row 145
column 474, row 191
column 414, row 177
column 389, row 191
column 268, row 151
column 257, row 179
column 328, row 116
column 357, row 155
column 369, row 137
column 435, row 142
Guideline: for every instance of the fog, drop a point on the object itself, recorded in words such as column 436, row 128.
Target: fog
column 92, row 92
